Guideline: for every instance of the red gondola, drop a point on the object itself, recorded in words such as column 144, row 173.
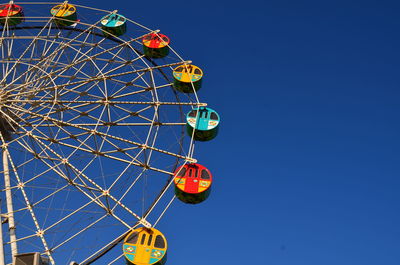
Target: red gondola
column 155, row 45
column 11, row 13
column 192, row 183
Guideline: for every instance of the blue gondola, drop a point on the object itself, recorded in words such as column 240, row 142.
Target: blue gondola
column 204, row 121
column 114, row 24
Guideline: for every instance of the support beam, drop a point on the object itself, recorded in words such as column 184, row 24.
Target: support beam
column 1, row 239
column 10, row 209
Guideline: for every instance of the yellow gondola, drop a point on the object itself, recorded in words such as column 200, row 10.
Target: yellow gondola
column 187, row 78
column 64, row 14
column 145, row 246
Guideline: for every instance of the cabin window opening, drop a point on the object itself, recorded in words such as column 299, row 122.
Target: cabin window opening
column 143, row 239
column 193, row 114
column 181, row 172
column 159, row 242
column 205, row 114
column 71, row 9
column 190, row 173
column 214, row 116
column 121, row 19
column 204, row 174
column 188, row 69
column 149, row 241
column 133, row 238
column 196, row 172
column 179, row 69
column 165, row 39
column 197, row 71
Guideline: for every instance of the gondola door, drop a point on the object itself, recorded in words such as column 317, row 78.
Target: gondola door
column 144, row 249
column 202, row 120
column 192, row 180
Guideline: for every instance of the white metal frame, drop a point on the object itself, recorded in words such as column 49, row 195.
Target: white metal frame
column 36, row 102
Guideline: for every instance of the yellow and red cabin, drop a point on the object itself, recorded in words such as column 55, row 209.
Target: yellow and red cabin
column 11, row 14
column 187, row 78
column 64, row 14
column 155, row 45
column 192, row 183
column 145, row 246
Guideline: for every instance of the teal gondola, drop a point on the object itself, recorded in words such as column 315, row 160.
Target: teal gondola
column 204, row 122
column 113, row 24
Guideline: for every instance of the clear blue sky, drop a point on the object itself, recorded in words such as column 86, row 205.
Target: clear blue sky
column 306, row 164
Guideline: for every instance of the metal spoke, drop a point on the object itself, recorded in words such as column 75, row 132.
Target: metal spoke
column 88, row 122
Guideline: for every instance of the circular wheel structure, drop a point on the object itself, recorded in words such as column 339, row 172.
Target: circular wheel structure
column 91, row 132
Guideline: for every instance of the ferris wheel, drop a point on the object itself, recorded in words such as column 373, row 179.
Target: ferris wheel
column 99, row 117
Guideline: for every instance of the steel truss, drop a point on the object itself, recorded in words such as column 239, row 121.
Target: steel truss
column 91, row 131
